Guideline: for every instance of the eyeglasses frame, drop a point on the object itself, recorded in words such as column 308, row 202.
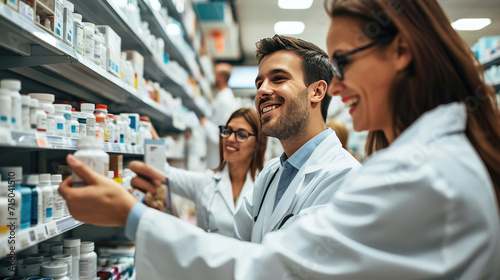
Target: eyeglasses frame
column 222, row 127
column 344, row 58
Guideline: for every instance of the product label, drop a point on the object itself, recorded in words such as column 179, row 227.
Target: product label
column 82, row 129
column 79, row 32
column 60, row 126
column 13, row 120
column 48, row 203
column 88, row 268
column 106, row 135
column 69, row 26
column 58, row 18
column 73, row 129
column 4, row 119
column 99, row 164
column 41, row 124
column 91, row 122
column 89, row 45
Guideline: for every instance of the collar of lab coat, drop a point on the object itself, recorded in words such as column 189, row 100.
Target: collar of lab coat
column 225, row 188
column 321, row 156
column 432, row 125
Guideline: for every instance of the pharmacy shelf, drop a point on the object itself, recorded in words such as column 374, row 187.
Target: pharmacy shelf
column 31, row 52
column 25, row 238
column 158, row 26
column 105, row 12
column 495, row 60
column 31, row 141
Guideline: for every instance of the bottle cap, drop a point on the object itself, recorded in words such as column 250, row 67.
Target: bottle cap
column 55, row 269
column 60, row 107
column 77, row 17
column 30, row 179
column 101, row 106
column 15, row 171
column 25, row 100
column 43, row 97
column 56, row 178
column 71, row 242
column 28, row 269
column 11, row 84
column 44, row 178
column 87, row 106
column 87, row 246
column 89, row 25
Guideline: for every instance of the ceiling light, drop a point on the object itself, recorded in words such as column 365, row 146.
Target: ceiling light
column 471, row 23
column 289, row 27
column 295, row 4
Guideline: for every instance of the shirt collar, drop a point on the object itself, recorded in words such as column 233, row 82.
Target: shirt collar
column 298, row 159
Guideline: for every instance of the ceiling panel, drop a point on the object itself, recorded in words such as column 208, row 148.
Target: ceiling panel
column 257, row 18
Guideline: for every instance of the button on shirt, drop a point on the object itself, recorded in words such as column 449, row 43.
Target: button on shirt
column 292, row 165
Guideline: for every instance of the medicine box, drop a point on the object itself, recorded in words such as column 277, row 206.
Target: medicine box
column 13, row 4
column 26, row 11
column 137, row 62
column 116, row 164
column 57, row 7
column 113, row 44
column 154, row 153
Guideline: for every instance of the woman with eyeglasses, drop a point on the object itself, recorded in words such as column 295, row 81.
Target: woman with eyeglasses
column 216, row 193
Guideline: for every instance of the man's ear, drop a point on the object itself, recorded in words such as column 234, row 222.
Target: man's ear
column 320, row 89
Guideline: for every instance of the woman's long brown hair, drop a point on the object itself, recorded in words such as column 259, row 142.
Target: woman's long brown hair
column 257, row 160
column 443, row 70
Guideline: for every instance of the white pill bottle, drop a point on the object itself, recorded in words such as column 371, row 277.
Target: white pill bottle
column 91, row 153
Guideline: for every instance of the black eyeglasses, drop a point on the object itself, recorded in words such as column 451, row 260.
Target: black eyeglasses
column 240, row 134
column 340, row 61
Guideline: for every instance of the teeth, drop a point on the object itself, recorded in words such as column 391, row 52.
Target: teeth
column 351, row 102
column 269, row 108
column 231, row 148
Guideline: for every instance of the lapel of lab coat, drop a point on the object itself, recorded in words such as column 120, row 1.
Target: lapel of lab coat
column 225, row 189
column 249, row 184
column 322, row 155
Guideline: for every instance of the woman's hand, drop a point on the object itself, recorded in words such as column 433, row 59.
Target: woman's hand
column 102, row 202
column 152, row 182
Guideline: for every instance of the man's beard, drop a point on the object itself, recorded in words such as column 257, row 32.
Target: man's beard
column 291, row 122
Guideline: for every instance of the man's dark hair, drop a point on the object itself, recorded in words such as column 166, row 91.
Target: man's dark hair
column 315, row 62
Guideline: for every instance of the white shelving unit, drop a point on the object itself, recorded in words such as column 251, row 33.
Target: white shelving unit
column 35, row 54
column 42, row 142
column 44, row 63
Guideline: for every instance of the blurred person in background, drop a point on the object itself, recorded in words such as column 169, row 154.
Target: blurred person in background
column 342, row 133
column 224, row 104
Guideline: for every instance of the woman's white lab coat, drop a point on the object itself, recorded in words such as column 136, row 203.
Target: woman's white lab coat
column 212, row 194
column 424, row 208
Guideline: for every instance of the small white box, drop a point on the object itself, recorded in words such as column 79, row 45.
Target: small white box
column 58, row 18
column 137, row 62
column 113, row 43
column 68, row 36
column 26, row 11
column 154, row 153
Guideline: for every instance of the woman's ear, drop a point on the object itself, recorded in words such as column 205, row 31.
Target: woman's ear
column 320, row 87
column 402, row 54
